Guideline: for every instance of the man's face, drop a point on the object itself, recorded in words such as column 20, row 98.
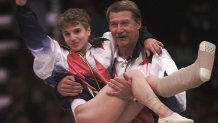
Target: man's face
column 76, row 37
column 123, row 28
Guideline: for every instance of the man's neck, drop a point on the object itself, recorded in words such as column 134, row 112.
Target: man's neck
column 130, row 52
column 125, row 52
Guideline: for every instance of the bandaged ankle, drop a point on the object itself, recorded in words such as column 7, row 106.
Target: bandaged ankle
column 151, row 101
column 191, row 76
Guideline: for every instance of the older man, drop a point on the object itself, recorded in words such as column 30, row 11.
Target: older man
column 124, row 24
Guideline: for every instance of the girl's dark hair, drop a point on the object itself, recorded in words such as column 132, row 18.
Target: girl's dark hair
column 74, row 16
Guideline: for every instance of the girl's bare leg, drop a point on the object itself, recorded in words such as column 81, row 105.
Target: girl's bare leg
column 101, row 109
column 131, row 111
column 188, row 77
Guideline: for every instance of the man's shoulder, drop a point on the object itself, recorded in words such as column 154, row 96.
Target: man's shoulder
column 165, row 54
column 108, row 36
column 97, row 41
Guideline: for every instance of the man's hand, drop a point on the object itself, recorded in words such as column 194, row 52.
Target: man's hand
column 153, row 46
column 69, row 87
column 121, row 86
column 21, row 2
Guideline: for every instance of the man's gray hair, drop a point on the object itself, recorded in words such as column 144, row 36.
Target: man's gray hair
column 124, row 5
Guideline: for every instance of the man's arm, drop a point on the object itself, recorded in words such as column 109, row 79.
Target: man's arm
column 151, row 45
column 121, row 86
column 69, row 87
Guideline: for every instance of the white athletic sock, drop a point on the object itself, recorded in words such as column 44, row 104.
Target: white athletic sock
column 175, row 118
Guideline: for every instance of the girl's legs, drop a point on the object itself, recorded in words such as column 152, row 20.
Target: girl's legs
column 188, row 77
column 111, row 109
column 142, row 91
column 100, row 106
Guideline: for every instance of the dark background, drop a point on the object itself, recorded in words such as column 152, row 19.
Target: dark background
column 180, row 24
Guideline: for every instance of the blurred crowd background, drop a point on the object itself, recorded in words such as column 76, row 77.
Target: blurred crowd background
column 180, row 25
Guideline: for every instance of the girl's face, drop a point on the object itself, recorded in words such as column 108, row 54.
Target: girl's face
column 76, row 37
